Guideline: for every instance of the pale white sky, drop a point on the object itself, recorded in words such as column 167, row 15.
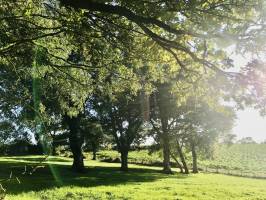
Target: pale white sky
column 250, row 124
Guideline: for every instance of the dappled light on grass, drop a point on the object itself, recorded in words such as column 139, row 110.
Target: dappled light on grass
column 105, row 181
column 32, row 167
column 97, row 175
column 83, row 76
column 56, row 174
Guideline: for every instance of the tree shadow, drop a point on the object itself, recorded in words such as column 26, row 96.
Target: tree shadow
column 57, row 175
column 36, row 159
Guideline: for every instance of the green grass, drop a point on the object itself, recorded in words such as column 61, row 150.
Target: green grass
column 243, row 156
column 249, row 158
column 134, row 157
column 238, row 159
column 105, row 181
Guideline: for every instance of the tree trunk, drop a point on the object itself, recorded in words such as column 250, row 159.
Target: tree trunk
column 53, row 149
column 76, row 140
column 162, row 97
column 194, row 158
column 78, row 164
column 166, row 154
column 182, row 157
column 124, row 164
column 94, row 151
column 53, row 146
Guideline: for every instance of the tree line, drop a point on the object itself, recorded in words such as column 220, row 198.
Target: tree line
column 129, row 70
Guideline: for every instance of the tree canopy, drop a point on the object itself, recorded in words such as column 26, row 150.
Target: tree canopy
column 127, row 62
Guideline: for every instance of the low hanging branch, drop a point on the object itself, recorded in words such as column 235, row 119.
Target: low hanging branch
column 145, row 22
column 15, row 43
column 125, row 12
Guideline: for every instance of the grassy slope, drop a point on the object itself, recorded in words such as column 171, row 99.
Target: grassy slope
column 247, row 158
column 105, row 181
column 240, row 156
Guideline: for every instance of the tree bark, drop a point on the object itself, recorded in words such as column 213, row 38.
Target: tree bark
column 53, row 149
column 76, row 140
column 182, row 157
column 94, row 151
column 124, row 159
column 166, row 146
column 194, row 158
column 162, row 97
column 166, row 154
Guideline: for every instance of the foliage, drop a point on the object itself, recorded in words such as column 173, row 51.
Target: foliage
column 93, row 136
column 246, row 140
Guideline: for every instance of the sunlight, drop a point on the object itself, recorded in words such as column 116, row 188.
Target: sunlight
column 122, row 99
column 250, row 123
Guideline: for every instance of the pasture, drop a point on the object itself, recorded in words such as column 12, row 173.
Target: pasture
column 54, row 180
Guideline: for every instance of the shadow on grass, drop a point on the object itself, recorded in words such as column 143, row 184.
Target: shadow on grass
column 36, row 159
column 57, row 175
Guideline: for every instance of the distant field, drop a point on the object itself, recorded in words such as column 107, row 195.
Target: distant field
column 104, row 181
column 238, row 159
column 248, row 159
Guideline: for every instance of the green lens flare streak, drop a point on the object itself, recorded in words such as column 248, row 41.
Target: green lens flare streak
column 40, row 131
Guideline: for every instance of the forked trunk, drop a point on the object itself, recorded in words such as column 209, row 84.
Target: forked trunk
column 182, row 157
column 177, row 163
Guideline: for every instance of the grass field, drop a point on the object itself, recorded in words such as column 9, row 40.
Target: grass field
column 240, row 156
column 105, row 181
column 241, row 159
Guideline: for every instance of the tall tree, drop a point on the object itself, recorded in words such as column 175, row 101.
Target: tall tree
column 113, row 36
column 93, row 134
column 199, row 125
column 122, row 118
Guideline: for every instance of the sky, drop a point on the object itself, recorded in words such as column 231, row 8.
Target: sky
column 250, row 124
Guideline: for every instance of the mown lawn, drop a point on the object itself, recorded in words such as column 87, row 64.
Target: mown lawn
column 105, row 181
